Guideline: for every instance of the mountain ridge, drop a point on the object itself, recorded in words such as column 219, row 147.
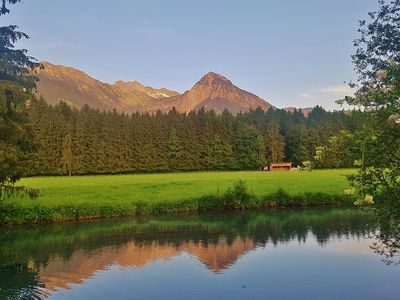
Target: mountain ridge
column 213, row 92
column 58, row 82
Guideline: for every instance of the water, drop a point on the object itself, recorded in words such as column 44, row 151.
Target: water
column 293, row 254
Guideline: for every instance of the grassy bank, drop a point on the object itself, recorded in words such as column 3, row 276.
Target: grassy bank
column 82, row 197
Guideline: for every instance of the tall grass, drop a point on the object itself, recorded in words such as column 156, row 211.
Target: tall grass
column 240, row 195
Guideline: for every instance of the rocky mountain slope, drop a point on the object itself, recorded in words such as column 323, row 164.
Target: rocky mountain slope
column 213, row 91
column 216, row 92
column 58, row 82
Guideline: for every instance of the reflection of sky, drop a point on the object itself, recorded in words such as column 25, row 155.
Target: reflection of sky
column 358, row 246
column 342, row 269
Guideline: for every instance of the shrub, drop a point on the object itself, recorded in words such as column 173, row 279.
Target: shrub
column 282, row 197
column 241, row 196
column 236, row 197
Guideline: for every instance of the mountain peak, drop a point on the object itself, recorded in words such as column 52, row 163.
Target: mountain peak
column 216, row 92
column 212, row 78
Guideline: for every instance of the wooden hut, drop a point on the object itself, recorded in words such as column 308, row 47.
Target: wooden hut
column 284, row 166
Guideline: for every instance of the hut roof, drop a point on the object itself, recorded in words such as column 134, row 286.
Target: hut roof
column 281, row 164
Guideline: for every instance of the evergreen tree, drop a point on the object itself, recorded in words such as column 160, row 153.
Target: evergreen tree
column 15, row 137
column 249, row 148
column 15, row 141
column 275, row 143
column 14, row 63
column 174, row 150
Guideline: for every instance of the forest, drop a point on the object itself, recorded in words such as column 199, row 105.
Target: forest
column 71, row 141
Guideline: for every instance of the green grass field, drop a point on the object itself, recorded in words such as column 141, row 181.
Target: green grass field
column 120, row 192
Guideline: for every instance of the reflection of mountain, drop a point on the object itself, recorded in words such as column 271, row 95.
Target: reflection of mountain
column 61, row 255
column 60, row 273
column 221, row 255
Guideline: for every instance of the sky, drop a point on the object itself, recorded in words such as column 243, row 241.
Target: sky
column 289, row 52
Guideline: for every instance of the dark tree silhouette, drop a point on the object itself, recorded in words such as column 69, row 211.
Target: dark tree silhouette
column 15, row 64
column 378, row 44
column 15, row 139
column 377, row 62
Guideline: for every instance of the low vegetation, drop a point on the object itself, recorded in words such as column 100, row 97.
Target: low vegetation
column 85, row 197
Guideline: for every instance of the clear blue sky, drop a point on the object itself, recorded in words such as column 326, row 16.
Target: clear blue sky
column 291, row 53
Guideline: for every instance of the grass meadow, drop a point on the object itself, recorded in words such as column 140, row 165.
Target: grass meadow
column 79, row 197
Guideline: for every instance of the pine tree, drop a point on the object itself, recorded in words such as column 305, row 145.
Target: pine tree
column 249, row 148
column 15, row 137
column 275, row 143
column 15, row 143
column 15, row 63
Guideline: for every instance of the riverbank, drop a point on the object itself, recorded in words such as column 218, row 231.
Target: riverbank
column 88, row 197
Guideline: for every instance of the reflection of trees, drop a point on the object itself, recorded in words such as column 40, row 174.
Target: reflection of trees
column 215, row 239
column 323, row 225
column 43, row 242
column 388, row 241
column 19, row 282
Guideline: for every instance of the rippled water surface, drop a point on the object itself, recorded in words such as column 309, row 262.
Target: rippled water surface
column 293, row 254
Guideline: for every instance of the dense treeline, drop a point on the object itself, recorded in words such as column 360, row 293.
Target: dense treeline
column 15, row 73
column 88, row 141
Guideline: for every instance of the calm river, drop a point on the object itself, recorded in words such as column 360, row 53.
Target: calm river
column 291, row 254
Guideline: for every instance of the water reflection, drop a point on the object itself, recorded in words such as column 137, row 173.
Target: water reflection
column 36, row 262
column 387, row 242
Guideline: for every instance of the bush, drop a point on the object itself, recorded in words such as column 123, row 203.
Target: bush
column 282, row 197
column 239, row 195
column 236, row 197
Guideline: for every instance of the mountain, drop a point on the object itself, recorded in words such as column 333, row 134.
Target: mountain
column 216, row 92
column 58, row 82
column 213, row 91
column 305, row 110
